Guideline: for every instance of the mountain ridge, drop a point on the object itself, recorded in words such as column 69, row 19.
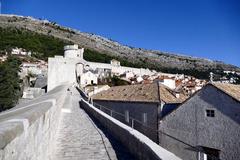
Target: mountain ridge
column 161, row 61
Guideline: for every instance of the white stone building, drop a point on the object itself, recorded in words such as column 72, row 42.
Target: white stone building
column 129, row 75
column 114, row 62
column 88, row 78
column 31, row 68
column 20, row 51
column 169, row 82
column 139, row 79
column 30, row 93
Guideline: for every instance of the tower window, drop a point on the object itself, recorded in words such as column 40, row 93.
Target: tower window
column 210, row 113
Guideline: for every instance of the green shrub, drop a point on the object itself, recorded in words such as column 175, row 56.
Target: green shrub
column 9, row 83
column 45, row 46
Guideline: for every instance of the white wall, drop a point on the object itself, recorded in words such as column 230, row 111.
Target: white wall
column 120, row 69
column 61, row 70
column 169, row 83
column 87, row 78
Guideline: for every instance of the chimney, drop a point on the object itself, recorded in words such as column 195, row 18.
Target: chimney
column 177, row 95
column 211, row 77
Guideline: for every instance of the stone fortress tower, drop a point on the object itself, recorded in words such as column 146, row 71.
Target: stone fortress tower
column 70, row 67
column 72, row 51
column 67, row 68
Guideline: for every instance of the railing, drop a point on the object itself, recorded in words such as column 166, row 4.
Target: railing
column 132, row 122
column 128, row 119
column 136, row 143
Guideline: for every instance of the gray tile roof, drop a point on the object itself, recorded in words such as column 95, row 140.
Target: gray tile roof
column 230, row 89
column 141, row 93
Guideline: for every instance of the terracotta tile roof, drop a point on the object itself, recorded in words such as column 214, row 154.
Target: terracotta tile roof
column 140, row 93
column 230, row 89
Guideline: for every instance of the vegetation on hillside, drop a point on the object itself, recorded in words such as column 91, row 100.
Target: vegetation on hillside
column 44, row 46
column 113, row 81
column 116, row 81
column 9, row 83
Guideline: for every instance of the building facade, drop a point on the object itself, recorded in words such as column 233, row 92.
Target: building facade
column 144, row 104
column 88, row 78
column 206, row 126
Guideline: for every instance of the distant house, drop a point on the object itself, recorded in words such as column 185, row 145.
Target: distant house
column 206, row 126
column 103, row 73
column 88, row 78
column 114, row 62
column 31, row 93
column 20, row 51
column 169, row 82
column 32, row 68
column 146, row 103
column 139, row 79
column 127, row 75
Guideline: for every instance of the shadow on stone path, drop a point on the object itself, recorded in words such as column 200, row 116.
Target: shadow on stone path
column 81, row 138
column 120, row 150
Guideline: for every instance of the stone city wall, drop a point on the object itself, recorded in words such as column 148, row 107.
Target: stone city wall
column 120, row 69
column 28, row 131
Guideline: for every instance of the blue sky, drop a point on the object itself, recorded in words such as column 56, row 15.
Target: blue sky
column 201, row 28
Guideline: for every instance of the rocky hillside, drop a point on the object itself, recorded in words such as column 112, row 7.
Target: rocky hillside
column 157, row 60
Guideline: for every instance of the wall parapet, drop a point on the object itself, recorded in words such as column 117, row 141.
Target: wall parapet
column 138, row 144
column 27, row 131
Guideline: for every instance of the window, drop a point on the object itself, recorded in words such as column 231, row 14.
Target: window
column 210, row 113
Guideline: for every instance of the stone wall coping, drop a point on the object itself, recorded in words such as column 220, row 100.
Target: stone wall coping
column 16, row 121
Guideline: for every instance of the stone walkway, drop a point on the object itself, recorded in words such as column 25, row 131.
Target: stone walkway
column 79, row 138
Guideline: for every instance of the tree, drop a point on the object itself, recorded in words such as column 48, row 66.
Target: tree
column 9, row 83
column 115, row 81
